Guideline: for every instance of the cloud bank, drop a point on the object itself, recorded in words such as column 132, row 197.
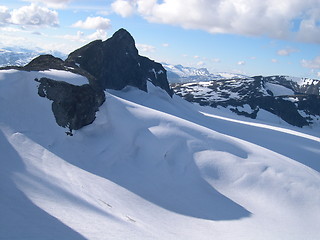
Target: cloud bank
column 93, row 23
column 285, row 19
column 32, row 15
column 52, row 3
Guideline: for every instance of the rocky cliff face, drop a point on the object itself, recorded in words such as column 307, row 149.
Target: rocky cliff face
column 115, row 63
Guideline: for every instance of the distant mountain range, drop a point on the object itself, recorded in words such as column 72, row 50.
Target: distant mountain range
column 15, row 56
column 181, row 74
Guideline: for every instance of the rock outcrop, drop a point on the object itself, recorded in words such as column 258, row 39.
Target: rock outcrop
column 115, row 63
column 73, row 106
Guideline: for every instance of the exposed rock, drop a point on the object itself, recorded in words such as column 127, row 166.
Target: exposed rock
column 115, row 63
column 73, row 106
column 45, row 62
column 248, row 96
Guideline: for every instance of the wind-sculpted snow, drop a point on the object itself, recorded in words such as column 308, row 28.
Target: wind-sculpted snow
column 150, row 167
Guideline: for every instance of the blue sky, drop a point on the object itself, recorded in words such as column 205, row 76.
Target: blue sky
column 252, row 37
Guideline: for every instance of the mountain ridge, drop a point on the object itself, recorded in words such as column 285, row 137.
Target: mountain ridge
column 297, row 103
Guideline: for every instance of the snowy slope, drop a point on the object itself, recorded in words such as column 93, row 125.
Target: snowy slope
column 151, row 167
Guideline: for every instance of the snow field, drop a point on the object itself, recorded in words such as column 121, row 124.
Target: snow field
column 150, row 167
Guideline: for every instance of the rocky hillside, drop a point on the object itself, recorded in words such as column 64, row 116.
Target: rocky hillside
column 296, row 102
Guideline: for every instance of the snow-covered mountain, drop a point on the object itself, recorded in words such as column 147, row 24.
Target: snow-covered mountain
column 15, row 56
column 295, row 101
column 181, row 74
column 137, row 162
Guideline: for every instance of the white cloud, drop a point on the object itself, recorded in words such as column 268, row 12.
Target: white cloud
column 34, row 15
column 241, row 63
column 165, row 45
column 274, row 60
column 4, row 15
column 103, row 12
column 271, row 18
column 216, row 60
column 286, row 51
column 98, row 34
column 314, row 64
column 82, row 37
column 78, row 37
column 12, row 40
column 52, row 3
column 145, row 47
column 123, row 8
column 37, row 33
column 11, row 29
column 309, row 27
column 93, row 23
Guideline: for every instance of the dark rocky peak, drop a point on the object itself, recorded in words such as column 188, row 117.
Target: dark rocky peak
column 123, row 42
column 115, row 63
